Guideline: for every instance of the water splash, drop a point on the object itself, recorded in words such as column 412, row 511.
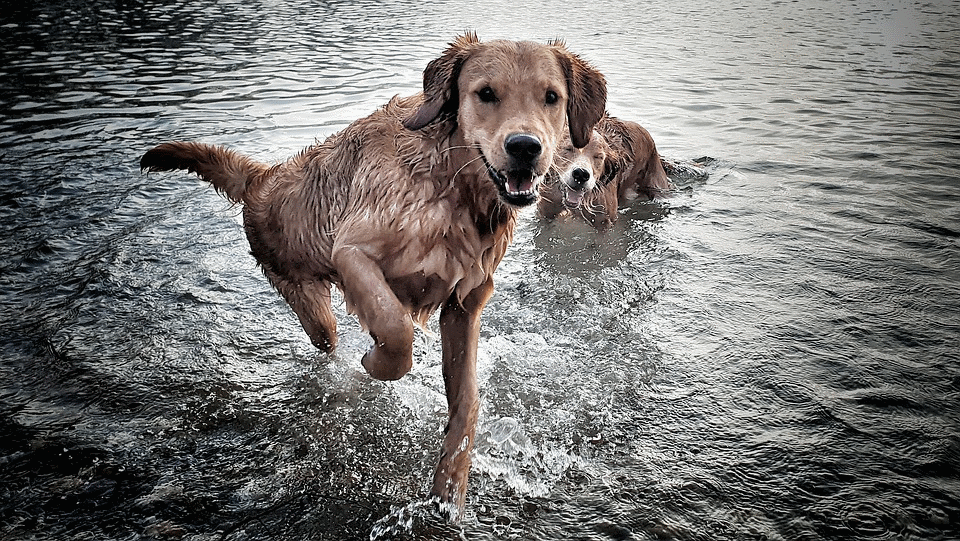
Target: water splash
column 422, row 519
column 504, row 452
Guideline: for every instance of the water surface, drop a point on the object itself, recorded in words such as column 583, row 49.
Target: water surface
column 770, row 354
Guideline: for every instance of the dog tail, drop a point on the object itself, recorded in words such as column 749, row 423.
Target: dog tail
column 229, row 172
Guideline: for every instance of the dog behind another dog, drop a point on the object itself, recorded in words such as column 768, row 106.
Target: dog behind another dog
column 619, row 164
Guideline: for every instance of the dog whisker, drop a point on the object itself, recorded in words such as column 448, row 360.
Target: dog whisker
column 465, row 165
column 474, row 146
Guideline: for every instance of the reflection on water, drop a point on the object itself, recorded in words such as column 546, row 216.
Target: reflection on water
column 770, row 354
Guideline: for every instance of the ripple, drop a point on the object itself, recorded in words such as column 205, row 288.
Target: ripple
column 767, row 353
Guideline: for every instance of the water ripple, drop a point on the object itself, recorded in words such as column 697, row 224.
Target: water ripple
column 768, row 354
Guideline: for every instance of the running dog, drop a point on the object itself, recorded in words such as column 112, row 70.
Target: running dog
column 411, row 209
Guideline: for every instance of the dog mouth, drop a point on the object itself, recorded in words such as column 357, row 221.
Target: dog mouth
column 517, row 187
column 572, row 198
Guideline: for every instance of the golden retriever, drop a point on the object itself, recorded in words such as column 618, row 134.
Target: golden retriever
column 619, row 163
column 411, row 209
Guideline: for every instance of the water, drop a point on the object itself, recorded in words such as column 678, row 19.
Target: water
column 770, row 354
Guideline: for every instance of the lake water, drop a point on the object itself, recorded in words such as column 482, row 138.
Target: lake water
column 768, row 354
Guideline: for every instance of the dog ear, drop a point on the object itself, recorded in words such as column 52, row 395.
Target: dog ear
column 440, row 92
column 613, row 164
column 587, row 95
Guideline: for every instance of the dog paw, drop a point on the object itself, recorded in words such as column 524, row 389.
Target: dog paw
column 385, row 367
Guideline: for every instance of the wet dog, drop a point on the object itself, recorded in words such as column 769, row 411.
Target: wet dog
column 411, row 209
column 620, row 163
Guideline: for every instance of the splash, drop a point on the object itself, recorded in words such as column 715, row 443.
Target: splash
column 416, row 520
column 504, row 452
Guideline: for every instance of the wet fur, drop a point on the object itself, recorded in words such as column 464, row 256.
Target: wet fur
column 411, row 209
column 624, row 164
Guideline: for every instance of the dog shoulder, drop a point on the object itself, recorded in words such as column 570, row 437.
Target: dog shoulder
column 388, row 149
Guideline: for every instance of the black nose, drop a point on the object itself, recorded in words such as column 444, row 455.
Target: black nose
column 523, row 146
column 580, row 176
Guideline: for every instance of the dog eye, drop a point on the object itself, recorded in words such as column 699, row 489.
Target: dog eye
column 487, row 95
column 551, row 97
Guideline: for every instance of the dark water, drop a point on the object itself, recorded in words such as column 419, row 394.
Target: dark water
column 771, row 354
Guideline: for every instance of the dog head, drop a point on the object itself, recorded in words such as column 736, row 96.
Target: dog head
column 511, row 102
column 581, row 170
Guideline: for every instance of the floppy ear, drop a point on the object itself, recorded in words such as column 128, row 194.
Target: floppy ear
column 613, row 164
column 587, row 95
column 440, row 92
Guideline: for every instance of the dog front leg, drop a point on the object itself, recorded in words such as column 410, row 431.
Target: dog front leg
column 459, row 333
column 380, row 312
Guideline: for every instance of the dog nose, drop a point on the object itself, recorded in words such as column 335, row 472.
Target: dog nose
column 523, row 146
column 580, row 176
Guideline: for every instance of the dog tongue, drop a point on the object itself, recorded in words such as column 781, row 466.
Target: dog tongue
column 574, row 198
column 515, row 185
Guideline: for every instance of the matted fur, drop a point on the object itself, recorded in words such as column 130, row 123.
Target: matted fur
column 411, row 209
column 620, row 163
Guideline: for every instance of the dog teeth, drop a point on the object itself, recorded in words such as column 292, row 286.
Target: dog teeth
column 504, row 182
column 531, row 191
